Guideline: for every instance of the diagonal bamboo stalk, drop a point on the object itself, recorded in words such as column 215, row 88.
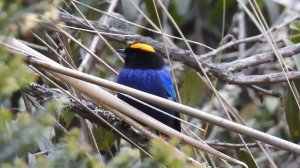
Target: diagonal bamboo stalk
column 244, row 130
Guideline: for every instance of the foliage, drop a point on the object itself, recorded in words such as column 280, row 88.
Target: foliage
column 32, row 137
column 27, row 139
column 293, row 114
column 25, row 136
column 166, row 155
column 17, row 77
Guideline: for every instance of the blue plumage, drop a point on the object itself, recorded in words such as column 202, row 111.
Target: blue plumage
column 157, row 82
column 146, row 71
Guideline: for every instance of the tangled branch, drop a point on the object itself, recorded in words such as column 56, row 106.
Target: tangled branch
column 223, row 71
column 41, row 94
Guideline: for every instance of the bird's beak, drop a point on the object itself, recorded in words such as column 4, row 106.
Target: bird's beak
column 122, row 51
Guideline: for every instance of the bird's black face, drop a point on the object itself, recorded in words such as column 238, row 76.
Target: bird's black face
column 141, row 56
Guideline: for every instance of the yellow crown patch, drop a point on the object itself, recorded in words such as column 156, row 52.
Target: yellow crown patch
column 142, row 46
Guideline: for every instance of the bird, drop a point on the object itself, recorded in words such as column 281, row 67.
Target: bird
column 145, row 70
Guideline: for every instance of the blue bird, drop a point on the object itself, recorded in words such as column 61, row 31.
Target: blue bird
column 145, row 70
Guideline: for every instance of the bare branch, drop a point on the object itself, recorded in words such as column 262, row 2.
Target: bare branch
column 41, row 94
column 263, row 79
column 222, row 71
column 261, row 58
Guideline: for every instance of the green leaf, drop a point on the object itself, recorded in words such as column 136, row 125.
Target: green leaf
column 105, row 139
column 19, row 136
column 13, row 73
column 165, row 154
column 173, row 8
column 191, row 88
column 151, row 11
column 5, row 116
column 245, row 157
column 295, row 31
column 126, row 158
column 217, row 11
column 67, row 117
column 292, row 113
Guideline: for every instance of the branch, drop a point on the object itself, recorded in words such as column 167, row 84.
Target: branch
column 261, row 58
column 222, row 71
column 263, row 79
column 217, row 144
column 41, row 94
column 128, row 37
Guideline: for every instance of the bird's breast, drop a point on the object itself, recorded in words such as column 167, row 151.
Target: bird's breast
column 145, row 80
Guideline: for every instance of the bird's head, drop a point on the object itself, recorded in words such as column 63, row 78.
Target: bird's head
column 141, row 56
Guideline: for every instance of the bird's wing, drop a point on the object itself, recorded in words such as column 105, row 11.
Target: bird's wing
column 167, row 81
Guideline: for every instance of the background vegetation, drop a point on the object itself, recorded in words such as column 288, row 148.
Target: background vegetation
column 248, row 74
